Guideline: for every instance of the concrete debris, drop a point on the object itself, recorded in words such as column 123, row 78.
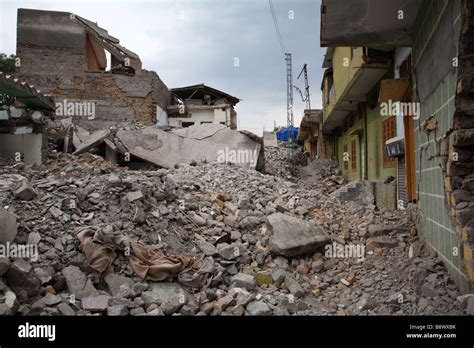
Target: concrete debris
column 24, row 191
column 199, row 143
column 78, row 284
column 292, row 236
column 21, row 278
column 253, row 243
column 4, row 265
column 258, row 308
column 96, row 303
column 8, row 226
column 116, row 281
column 92, row 141
column 243, row 280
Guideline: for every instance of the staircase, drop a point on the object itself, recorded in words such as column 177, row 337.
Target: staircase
column 348, row 192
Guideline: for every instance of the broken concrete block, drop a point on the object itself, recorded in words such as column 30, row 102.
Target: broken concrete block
column 8, row 228
column 78, row 284
column 51, row 300
column 198, row 220
column 209, row 143
column 115, row 281
column 21, row 277
column 92, row 141
column 25, row 192
column 380, row 242
column 207, row 248
column 470, row 306
column 162, row 291
column 134, row 196
column 258, row 308
column 230, row 252
column 4, row 310
column 173, row 304
column 293, row 286
column 95, row 303
column 66, row 309
column 278, row 276
column 292, row 236
column 34, row 238
column 45, row 274
column 10, row 300
column 4, row 265
column 243, row 280
column 56, row 212
column 117, row 310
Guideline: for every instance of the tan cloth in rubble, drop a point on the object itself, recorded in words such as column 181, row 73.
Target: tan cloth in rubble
column 153, row 264
column 146, row 262
column 99, row 247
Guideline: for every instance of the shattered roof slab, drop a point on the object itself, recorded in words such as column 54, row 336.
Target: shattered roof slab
column 34, row 26
column 166, row 149
column 198, row 92
column 25, row 93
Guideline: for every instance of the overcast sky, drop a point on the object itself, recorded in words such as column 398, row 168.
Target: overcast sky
column 197, row 41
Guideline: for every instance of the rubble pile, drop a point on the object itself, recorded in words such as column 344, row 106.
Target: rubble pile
column 277, row 161
column 211, row 239
column 321, row 174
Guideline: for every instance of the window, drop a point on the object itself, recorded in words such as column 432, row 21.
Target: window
column 344, row 156
column 203, row 122
column 353, row 51
column 388, row 131
column 353, row 155
column 331, row 93
column 187, row 124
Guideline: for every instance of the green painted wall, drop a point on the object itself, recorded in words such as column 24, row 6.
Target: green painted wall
column 436, row 227
column 346, row 138
column 385, row 194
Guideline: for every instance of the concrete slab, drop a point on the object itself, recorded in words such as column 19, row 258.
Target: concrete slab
column 8, row 228
column 292, row 236
column 200, row 131
column 270, row 139
column 93, row 140
column 166, row 149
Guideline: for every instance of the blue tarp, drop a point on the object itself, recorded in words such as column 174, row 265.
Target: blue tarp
column 285, row 134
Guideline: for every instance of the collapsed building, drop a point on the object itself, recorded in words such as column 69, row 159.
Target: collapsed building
column 23, row 114
column 89, row 74
column 105, row 103
column 201, row 104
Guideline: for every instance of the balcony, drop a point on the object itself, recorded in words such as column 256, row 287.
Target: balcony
column 356, row 70
column 368, row 22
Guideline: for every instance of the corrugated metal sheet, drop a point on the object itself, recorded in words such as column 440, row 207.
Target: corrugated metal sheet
column 26, row 94
column 401, row 181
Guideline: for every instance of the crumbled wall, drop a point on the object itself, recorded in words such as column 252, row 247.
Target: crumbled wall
column 51, row 48
column 459, row 181
column 435, row 225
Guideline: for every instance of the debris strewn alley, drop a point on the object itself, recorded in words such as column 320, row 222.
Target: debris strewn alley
column 216, row 226
column 207, row 188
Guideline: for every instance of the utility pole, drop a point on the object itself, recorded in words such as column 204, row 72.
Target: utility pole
column 289, row 96
column 306, row 86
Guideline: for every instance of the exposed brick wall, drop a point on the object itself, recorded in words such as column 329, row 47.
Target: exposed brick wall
column 459, row 182
column 55, row 62
column 435, row 226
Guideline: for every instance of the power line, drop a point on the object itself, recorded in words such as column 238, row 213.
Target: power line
column 277, row 28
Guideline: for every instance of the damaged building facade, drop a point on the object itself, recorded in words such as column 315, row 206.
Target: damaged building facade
column 91, row 77
column 432, row 54
column 201, row 104
column 23, row 114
